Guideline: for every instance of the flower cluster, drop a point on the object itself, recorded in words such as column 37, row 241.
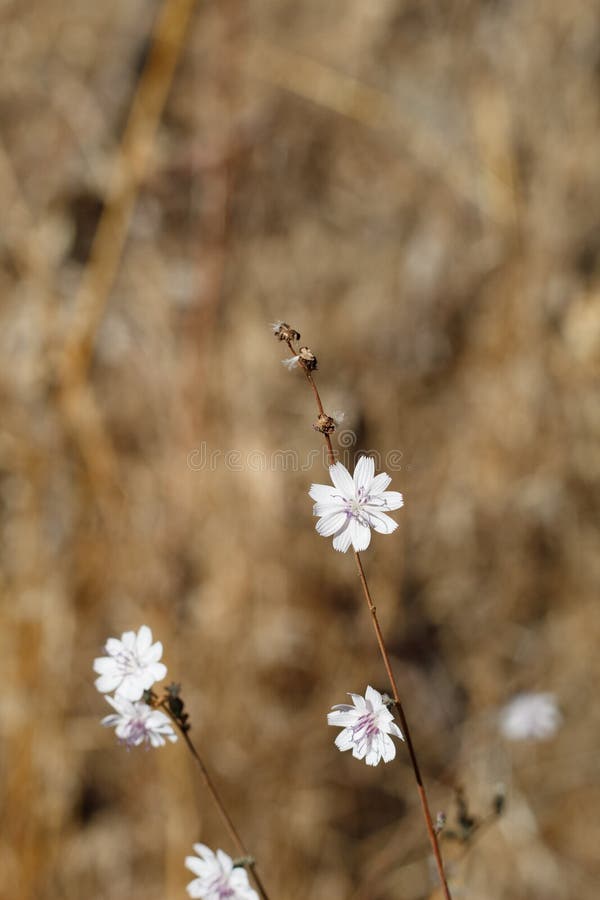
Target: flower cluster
column 131, row 667
column 217, row 876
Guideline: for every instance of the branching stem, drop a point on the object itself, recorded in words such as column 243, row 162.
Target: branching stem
column 388, row 666
column 249, row 863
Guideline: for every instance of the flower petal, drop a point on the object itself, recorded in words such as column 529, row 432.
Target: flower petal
column 379, row 483
column 341, row 718
column 342, row 479
column 113, row 647
column 388, row 751
column 331, row 523
column 392, row 499
column 325, row 509
column 104, row 665
column 374, row 698
column 108, row 682
column 157, row 672
column 132, row 688
column 382, row 523
column 360, row 535
column 323, row 493
column 393, row 729
column 144, row 639
column 358, row 700
column 195, row 865
column 342, row 540
column 364, row 474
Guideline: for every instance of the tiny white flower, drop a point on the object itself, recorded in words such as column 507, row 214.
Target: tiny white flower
column 137, row 723
column 277, row 326
column 530, row 716
column 291, row 362
column 367, row 726
column 132, row 665
column 217, row 878
column 348, row 510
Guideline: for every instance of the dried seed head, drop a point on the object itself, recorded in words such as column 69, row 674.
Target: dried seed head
column 307, row 359
column 284, row 332
column 324, row 424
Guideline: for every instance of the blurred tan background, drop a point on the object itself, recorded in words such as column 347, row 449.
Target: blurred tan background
column 415, row 186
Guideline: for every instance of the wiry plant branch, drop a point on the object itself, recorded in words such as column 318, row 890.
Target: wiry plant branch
column 172, row 704
column 306, row 360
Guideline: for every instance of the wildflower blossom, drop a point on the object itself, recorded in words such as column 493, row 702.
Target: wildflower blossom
column 354, row 505
column 217, row 879
column 291, row 362
column 530, row 716
column 137, row 723
column 132, row 665
column 367, row 726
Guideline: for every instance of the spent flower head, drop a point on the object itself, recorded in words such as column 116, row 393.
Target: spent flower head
column 367, row 726
column 354, row 505
column 137, row 723
column 217, row 877
column 131, row 666
column 284, row 332
column 530, row 717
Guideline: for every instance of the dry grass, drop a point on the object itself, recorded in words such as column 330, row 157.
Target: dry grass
column 414, row 185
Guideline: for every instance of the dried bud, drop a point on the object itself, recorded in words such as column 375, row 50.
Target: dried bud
column 307, row 359
column 324, row 424
column 283, row 331
column 440, row 822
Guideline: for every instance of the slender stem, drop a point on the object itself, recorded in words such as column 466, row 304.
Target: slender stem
column 388, row 667
column 404, row 728
column 249, row 863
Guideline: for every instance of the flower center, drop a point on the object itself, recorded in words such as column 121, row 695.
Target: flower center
column 127, row 663
column 366, row 726
column 354, row 506
column 136, row 729
column 221, row 887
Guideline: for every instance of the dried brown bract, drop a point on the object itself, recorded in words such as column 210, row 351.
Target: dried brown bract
column 285, row 332
column 307, row 359
column 324, row 424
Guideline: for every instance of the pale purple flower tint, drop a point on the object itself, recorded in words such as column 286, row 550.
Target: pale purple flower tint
column 367, row 726
column 530, row 717
column 217, row 878
column 348, row 510
column 132, row 665
column 137, row 723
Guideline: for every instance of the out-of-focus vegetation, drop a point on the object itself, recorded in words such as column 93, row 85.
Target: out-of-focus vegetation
column 414, row 186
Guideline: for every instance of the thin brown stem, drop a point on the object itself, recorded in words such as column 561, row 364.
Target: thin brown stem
column 390, row 673
column 405, row 729
column 249, row 863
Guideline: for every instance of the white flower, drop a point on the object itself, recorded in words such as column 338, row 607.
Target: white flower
column 353, row 506
column 291, row 362
column 217, row 878
column 367, row 727
column 132, row 665
column 277, row 326
column 530, row 716
column 137, row 723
